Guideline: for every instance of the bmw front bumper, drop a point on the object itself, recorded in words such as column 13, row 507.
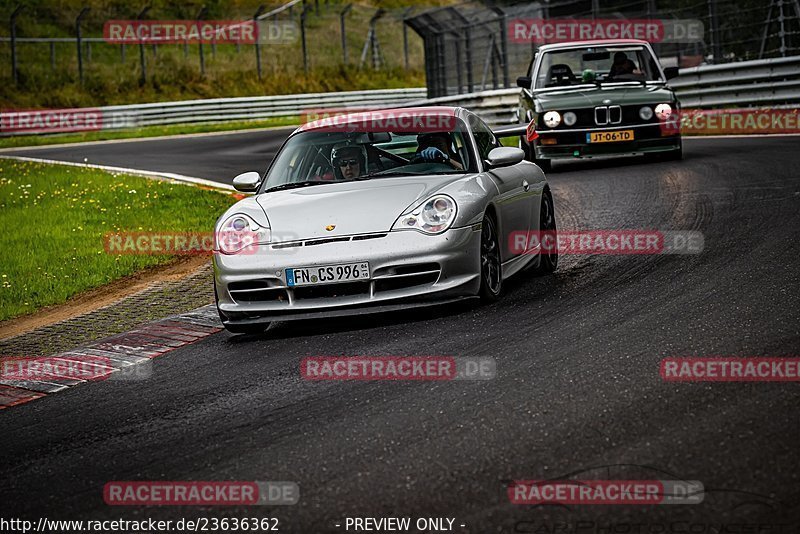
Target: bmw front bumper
column 407, row 269
column 572, row 143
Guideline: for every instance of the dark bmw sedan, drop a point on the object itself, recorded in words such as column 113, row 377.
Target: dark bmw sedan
column 598, row 98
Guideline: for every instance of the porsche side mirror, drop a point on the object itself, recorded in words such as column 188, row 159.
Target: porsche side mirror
column 247, row 182
column 505, row 156
column 524, row 82
column 671, row 72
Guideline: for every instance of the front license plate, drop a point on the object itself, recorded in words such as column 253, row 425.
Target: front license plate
column 327, row 274
column 609, row 137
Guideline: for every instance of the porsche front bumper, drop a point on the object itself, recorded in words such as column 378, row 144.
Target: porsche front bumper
column 407, row 269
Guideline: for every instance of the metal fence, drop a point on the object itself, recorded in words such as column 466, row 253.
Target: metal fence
column 361, row 34
column 769, row 82
column 469, row 47
column 226, row 109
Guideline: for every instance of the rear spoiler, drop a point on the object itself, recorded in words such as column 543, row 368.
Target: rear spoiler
column 513, row 130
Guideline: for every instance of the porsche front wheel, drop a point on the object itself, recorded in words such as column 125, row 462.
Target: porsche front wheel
column 491, row 267
column 548, row 260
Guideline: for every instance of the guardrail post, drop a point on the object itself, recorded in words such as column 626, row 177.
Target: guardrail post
column 200, row 15
column 13, row 24
column 342, row 16
column 303, row 37
column 143, row 78
column 82, row 14
column 258, row 13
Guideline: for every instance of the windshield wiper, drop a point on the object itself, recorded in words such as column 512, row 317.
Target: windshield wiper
column 381, row 174
column 295, row 185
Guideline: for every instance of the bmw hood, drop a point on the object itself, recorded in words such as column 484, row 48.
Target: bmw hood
column 596, row 96
column 343, row 209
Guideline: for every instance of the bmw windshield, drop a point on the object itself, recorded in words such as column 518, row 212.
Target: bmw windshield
column 597, row 65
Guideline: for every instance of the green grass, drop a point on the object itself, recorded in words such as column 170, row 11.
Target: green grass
column 229, row 72
column 55, row 219
column 148, row 131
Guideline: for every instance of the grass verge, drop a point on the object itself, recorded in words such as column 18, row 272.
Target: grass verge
column 55, row 219
column 148, row 131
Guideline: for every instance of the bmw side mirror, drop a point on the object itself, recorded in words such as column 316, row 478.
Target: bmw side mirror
column 247, row 182
column 671, row 72
column 505, row 156
column 524, row 82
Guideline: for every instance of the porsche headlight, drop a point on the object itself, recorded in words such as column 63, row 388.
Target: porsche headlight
column 552, row 119
column 645, row 113
column 434, row 216
column 570, row 118
column 663, row 111
column 240, row 232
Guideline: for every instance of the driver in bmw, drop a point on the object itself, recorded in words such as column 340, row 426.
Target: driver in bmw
column 435, row 148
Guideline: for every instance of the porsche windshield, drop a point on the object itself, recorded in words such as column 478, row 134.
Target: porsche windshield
column 318, row 157
column 597, row 65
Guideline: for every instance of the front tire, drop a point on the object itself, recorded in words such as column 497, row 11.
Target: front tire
column 491, row 266
column 548, row 261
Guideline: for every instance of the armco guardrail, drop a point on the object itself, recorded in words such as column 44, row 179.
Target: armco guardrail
column 768, row 82
column 213, row 110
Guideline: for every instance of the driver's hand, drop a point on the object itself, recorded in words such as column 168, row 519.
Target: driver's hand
column 433, row 154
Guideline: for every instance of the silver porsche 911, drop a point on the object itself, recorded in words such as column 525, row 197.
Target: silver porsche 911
column 379, row 211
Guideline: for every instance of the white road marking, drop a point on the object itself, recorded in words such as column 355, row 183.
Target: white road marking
column 168, row 176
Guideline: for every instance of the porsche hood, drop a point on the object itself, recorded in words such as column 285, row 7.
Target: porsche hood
column 343, row 209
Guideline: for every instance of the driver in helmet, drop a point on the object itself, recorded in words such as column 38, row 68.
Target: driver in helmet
column 435, row 147
column 348, row 161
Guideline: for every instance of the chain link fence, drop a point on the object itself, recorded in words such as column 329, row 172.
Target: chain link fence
column 476, row 46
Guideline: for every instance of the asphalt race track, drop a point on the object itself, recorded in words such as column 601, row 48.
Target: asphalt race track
column 212, row 157
column 577, row 390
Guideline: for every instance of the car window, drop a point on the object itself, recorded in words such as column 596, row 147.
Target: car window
column 596, row 64
column 342, row 153
column 484, row 137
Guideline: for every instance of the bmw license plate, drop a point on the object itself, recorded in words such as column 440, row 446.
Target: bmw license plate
column 610, row 137
column 327, row 274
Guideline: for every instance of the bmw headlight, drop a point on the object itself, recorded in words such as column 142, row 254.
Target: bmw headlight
column 570, row 118
column 433, row 216
column 240, row 232
column 646, row 113
column 552, row 119
column 663, row 111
